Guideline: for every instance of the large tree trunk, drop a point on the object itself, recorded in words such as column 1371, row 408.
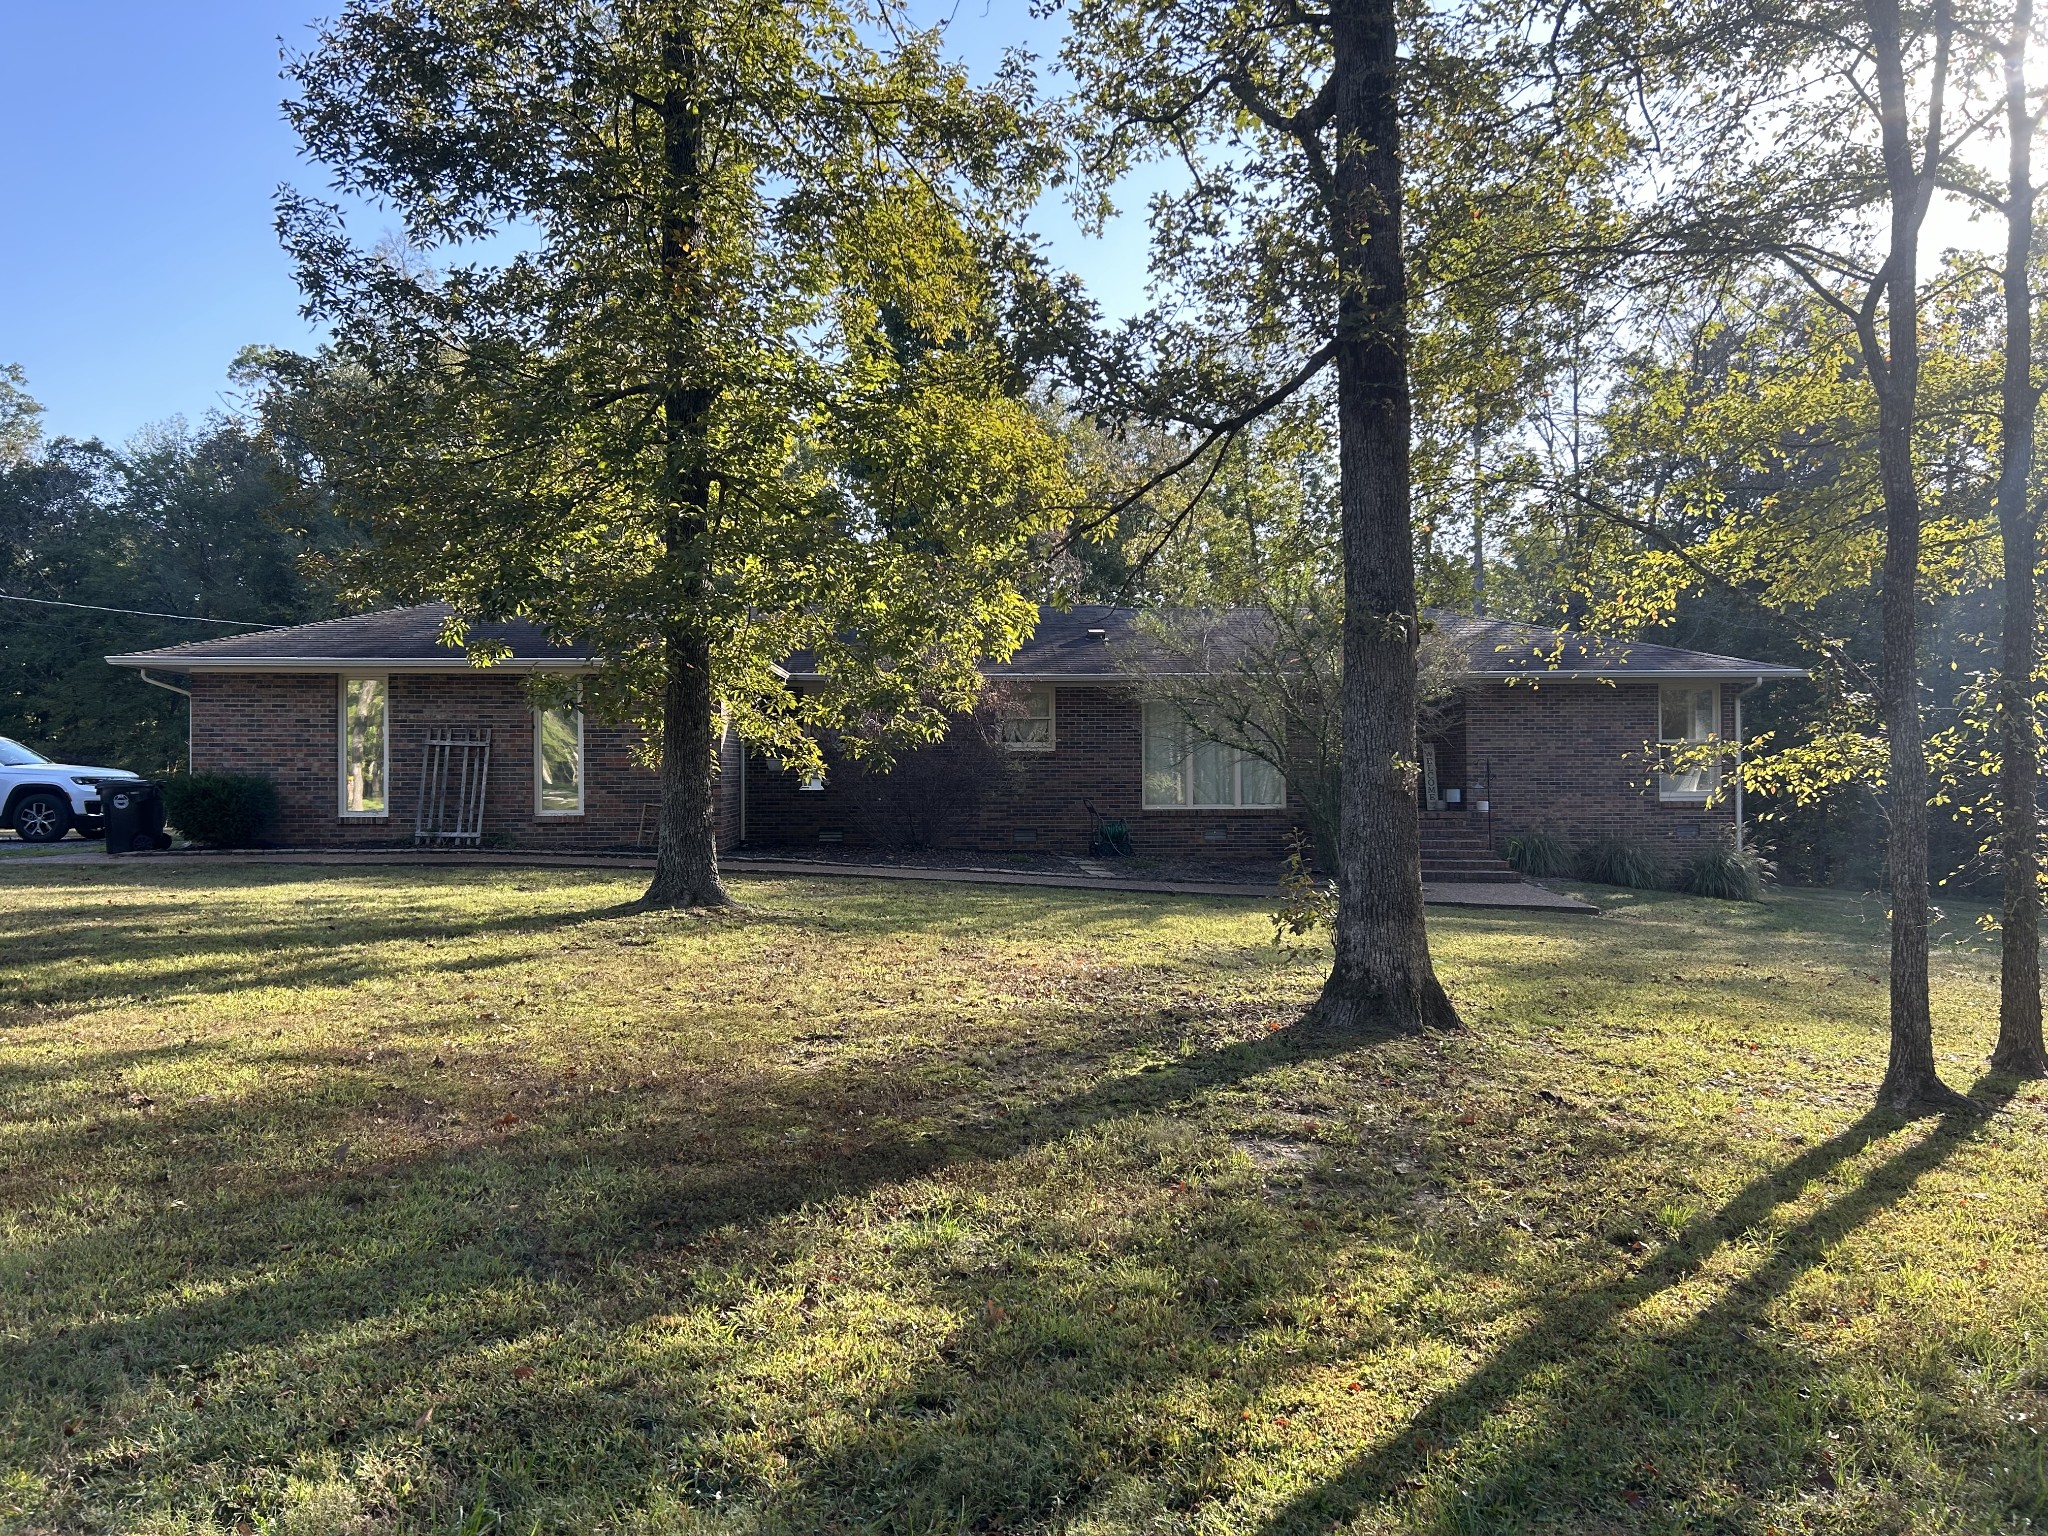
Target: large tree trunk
column 686, row 865
column 2019, row 1049
column 1382, row 979
column 686, row 860
column 1911, row 1084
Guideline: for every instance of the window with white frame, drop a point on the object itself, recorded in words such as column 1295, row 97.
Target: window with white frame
column 365, row 746
column 1027, row 720
column 1688, row 715
column 558, row 761
column 1185, row 769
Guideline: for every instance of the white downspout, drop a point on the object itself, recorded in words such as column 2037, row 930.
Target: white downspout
column 186, row 693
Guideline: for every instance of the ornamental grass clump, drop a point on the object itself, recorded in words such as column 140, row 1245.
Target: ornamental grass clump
column 1620, row 861
column 1540, row 855
column 1725, row 874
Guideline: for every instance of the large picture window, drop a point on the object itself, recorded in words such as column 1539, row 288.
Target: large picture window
column 558, row 761
column 1185, row 769
column 1688, row 715
column 1028, row 722
column 365, row 746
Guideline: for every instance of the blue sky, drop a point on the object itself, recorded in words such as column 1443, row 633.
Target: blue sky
column 143, row 144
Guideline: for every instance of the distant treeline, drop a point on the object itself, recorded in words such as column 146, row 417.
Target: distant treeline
column 185, row 521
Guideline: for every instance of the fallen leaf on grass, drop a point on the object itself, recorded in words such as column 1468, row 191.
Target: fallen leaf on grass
column 523, row 1373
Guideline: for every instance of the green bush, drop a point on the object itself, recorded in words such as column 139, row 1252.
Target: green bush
column 222, row 810
column 1724, row 874
column 1618, row 861
column 1540, row 855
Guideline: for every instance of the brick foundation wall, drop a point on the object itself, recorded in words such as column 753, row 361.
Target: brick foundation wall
column 286, row 727
column 1574, row 758
column 1096, row 757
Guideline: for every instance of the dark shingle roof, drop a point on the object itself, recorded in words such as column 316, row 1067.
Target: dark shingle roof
column 1088, row 640
column 404, row 637
column 1507, row 648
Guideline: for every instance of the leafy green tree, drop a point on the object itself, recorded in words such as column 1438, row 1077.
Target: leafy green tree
column 750, row 384
column 182, row 521
column 2020, row 1048
column 1284, row 265
column 1814, row 141
column 20, row 415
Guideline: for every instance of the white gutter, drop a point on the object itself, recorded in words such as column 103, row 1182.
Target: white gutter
column 186, row 695
column 1137, row 679
column 1629, row 675
column 333, row 664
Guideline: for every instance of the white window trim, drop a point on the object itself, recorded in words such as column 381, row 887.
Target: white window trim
column 1187, row 755
column 341, row 745
column 1052, row 724
column 582, row 768
column 1666, row 795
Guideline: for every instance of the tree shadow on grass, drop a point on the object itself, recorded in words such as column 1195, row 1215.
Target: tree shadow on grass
column 693, row 1192
column 1009, row 1419
column 68, row 964
column 1576, row 1332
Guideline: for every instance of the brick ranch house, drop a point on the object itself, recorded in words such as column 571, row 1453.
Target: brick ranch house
column 1546, row 729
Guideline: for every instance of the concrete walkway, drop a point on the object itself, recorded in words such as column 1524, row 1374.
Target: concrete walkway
column 1519, row 896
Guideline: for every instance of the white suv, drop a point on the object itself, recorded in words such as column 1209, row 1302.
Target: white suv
column 43, row 800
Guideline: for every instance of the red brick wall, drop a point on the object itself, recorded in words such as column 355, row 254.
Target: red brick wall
column 1575, row 758
column 1096, row 757
column 286, row 728
column 1571, row 757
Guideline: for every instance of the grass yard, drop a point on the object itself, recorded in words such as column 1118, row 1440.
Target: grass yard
column 341, row 1201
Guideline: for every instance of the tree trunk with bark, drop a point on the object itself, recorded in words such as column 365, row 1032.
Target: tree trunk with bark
column 1911, row 1084
column 1382, row 980
column 686, row 859
column 2019, row 1049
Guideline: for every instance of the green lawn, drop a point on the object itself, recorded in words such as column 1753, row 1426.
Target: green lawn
column 350, row 1201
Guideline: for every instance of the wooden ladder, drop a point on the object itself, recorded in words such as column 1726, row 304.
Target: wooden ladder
column 453, row 776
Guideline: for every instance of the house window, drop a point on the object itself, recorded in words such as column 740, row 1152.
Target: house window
column 1184, row 768
column 365, row 746
column 1028, row 720
column 558, row 761
column 1688, row 714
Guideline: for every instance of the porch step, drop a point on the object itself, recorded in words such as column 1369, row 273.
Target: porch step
column 1456, row 851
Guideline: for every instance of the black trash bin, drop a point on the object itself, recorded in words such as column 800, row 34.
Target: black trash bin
column 134, row 813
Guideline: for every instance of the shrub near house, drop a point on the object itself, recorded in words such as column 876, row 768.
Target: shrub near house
column 1547, row 731
column 222, row 810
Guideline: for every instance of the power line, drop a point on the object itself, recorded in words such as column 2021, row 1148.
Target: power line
column 133, row 613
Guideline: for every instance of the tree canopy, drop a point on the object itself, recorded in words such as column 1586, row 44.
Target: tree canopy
column 746, row 371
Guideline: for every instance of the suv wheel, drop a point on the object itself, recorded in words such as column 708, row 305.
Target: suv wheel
column 41, row 817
